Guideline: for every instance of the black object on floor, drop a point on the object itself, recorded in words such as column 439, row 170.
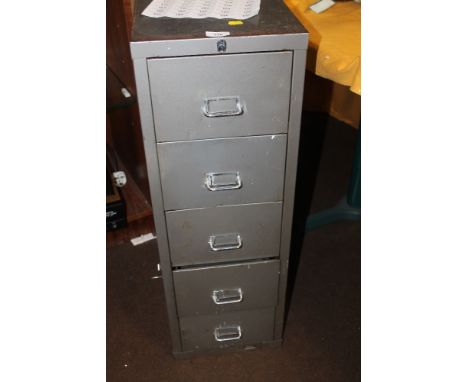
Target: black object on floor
column 322, row 331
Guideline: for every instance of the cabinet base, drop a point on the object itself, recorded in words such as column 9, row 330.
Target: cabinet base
column 191, row 354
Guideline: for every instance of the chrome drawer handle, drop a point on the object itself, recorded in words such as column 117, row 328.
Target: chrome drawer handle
column 227, row 333
column 227, row 106
column 219, row 181
column 225, row 242
column 227, row 296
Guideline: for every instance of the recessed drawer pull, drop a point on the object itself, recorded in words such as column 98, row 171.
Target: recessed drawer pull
column 227, row 333
column 219, row 181
column 222, row 107
column 225, row 242
column 227, row 296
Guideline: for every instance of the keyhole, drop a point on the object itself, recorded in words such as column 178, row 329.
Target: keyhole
column 221, row 44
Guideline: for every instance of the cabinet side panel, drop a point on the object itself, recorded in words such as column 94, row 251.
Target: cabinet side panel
column 149, row 140
column 297, row 88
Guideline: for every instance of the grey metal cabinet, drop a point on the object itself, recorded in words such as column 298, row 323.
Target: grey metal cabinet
column 220, row 119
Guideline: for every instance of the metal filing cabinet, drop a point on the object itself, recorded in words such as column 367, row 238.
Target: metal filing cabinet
column 220, row 120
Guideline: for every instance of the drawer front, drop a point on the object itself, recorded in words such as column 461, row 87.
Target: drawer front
column 222, row 171
column 213, row 290
column 220, row 96
column 226, row 330
column 219, row 234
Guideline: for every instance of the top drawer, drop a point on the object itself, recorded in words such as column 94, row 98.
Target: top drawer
column 220, row 96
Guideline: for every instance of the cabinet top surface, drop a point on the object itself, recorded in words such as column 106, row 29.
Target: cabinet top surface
column 274, row 18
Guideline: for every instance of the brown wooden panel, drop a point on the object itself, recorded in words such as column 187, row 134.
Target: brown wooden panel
column 114, row 96
column 128, row 143
column 118, row 49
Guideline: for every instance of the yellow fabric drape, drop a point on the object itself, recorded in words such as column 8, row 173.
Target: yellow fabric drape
column 333, row 60
column 336, row 33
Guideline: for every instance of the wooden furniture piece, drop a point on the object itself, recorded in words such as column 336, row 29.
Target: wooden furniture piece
column 123, row 132
column 220, row 119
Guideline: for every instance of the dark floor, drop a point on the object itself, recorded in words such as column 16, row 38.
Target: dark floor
column 322, row 332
